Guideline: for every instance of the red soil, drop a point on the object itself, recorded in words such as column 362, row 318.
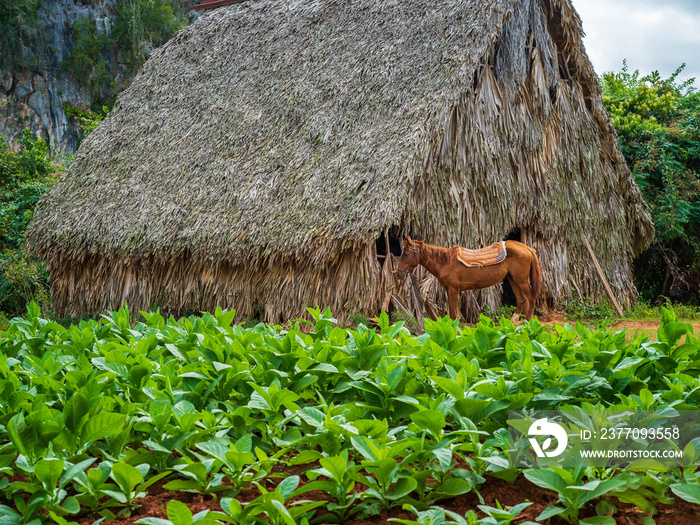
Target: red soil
column 494, row 490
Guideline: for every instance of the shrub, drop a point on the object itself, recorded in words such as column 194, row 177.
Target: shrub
column 142, row 25
column 658, row 124
column 506, row 311
column 24, row 177
column 357, row 318
column 586, row 308
column 87, row 120
column 409, row 321
column 23, row 279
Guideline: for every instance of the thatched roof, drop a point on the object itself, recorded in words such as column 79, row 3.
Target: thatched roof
column 274, row 131
column 270, row 127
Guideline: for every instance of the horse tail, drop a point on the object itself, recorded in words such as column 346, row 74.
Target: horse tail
column 535, row 275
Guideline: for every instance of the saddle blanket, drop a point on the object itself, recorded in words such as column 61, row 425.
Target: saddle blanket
column 483, row 257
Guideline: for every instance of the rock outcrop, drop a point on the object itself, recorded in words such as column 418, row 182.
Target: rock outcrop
column 32, row 94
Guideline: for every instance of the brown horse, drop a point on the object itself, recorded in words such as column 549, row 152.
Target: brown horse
column 521, row 267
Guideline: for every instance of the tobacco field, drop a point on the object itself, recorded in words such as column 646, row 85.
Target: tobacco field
column 313, row 423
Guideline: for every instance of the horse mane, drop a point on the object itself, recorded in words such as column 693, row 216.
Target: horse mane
column 442, row 256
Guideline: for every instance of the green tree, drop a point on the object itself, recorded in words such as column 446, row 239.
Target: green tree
column 658, row 123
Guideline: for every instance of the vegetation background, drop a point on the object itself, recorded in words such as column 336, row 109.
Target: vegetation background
column 658, row 124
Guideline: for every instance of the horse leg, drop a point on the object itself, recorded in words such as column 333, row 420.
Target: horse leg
column 529, row 307
column 453, row 302
column 520, row 297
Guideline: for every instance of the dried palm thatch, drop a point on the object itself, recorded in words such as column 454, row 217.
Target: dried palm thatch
column 260, row 153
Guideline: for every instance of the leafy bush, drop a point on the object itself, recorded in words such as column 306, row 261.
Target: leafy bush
column 658, row 123
column 142, row 25
column 506, row 311
column 24, row 177
column 24, row 279
column 408, row 320
column 87, row 120
column 580, row 309
column 643, row 310
column 357, row 318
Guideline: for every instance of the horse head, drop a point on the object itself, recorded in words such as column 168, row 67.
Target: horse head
column 410, row 257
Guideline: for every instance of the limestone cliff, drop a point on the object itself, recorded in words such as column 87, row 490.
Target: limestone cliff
column 32, row 93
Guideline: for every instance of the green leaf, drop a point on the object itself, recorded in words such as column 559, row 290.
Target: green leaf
column 282, row 511
column 549, row 512
column 404, row 486
column 16, row 427
column 188, row 485
column 161, row 410
column 9, row 516
column 454, row 487
column 305, row 457
column 672, row 332
column 366, row 447
column 288, row 486
column 430, row 420
column 71, row 505
column 603, row 488
column 48, row 471
column 547, row 479
column 126, row 476
column 444, row 457
column 599, row 520
column 178, row 513
column 72, row 471
column 75, row 411
column 687, row 492
column 118, row 496
column 102, row 425
column 449, row 386
column 336, row 466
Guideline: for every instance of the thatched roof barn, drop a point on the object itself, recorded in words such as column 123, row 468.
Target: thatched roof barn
column 264, row 155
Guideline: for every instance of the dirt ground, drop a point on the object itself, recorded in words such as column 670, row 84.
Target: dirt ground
column 634, row 328
column 493, row 491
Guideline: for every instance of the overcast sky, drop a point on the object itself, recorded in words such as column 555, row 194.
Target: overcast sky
column 650, row 34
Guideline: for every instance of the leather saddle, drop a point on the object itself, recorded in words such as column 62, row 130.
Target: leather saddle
column 483, row 257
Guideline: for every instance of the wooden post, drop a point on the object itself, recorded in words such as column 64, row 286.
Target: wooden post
column 602, row 278
column 523, row 235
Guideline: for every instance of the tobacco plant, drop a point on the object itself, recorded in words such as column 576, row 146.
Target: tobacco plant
column 221, row 409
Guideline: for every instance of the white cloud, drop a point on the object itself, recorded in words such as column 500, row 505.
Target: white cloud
column 651, row 35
